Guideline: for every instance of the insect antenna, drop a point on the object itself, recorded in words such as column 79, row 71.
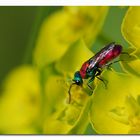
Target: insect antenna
column 70, row 92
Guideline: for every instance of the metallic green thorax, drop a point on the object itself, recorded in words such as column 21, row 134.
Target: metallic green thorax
column 77, row 78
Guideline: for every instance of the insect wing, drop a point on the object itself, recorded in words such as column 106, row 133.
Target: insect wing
column 100, row 55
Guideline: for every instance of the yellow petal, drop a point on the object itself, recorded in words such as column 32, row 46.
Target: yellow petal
column 56, row 92
column 63, row 28
column 53, row 39
column 88, row 20
column 55, row 102
column 131, row 31
column 131, row 64
column 20, row 103
column 73, row 59
column 61, row 117
column 131, row 26
column 54, row 126
column 83, row 120
column 108, row 113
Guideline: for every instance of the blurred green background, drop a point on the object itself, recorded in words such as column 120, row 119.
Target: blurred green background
column 15, row 30
column 18, row 31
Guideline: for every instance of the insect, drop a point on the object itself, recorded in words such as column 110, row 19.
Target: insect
column 94, row 66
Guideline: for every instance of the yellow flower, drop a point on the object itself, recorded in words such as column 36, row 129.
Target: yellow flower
column 57, row 46
column 131, row 31
column 20, row 103
column 37, row 101
column 63, row 28
column 35, row 98
column 61, row 117
column 131, row 26
column 117, row 109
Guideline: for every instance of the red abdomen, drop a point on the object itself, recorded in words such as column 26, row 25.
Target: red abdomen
column 112, row 54
column 83, row 69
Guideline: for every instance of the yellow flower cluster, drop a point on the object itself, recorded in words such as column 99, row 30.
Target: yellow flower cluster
column 35, row 97
column 118, row 111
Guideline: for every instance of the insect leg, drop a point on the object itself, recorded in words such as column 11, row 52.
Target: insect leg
column 103, row 80
column 109, row 65
column 90, row 80
column 99, row 71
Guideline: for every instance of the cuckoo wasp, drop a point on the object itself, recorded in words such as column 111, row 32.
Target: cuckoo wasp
column 94, row 66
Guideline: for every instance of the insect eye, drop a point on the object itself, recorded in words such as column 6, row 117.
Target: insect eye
column 78, row 82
